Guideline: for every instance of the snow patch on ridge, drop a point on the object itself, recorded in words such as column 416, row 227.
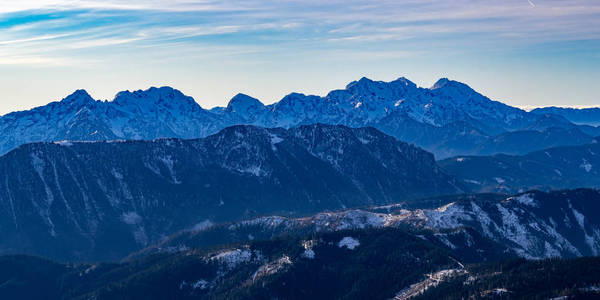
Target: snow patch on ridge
column 64, row 143
column 204, row 225
column 585, row 165
column 348, row 242
column 271, row 268
column 233, row 258
column 308, row 253
column 525, row 199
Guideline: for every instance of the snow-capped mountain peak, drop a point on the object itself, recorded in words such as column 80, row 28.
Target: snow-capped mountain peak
column 242, row 103
column 367, row 85
column 440, row 83
column 163, row 96
column 78, row 98
column 295, row 103
column 454, row 88
column 363, row 82
column 404, row 81
column 399, row 108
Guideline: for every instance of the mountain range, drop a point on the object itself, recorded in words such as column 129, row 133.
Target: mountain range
column 103, row 200
column 108, row 177
column 339, row 196
column 447, row 119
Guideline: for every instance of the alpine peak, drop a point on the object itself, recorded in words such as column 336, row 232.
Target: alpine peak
column 242, row 102
column 78, row 97
column 363, row 82
column 165, row 95
column 440, row 83
column 453, row 84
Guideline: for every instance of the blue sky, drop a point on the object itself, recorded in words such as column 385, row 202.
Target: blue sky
column 524, row 53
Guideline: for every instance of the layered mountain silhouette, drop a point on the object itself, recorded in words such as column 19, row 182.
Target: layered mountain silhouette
column 84, row 179
column 552, row 168
column 585, row 116
column 102, row 200
column 447, row 119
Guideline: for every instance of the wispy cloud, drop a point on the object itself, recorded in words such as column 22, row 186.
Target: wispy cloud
column 38, row 60
column 114, row 23
column 204, row 35
column 7, row 6
column 34, row 39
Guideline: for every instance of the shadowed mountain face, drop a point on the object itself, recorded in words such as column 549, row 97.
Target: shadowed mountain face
column 585, row 116
column 102, row 200
column 554, row 168
column 524, row 141
column 344, row 264
column 447, row 119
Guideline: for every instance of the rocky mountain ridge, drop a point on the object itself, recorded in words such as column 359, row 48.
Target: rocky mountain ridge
column 531, row 225
column 447, row 119
column 78, row 200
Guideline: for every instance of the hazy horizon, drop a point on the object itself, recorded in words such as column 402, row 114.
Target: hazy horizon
column 225, row 102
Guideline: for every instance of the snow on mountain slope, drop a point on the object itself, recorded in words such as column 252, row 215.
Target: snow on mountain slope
column 425, row 116
column 534, row 224
column 531, row 225
column 53, row 121
column 368, row 102
column 456, row 101
column 156, row 112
